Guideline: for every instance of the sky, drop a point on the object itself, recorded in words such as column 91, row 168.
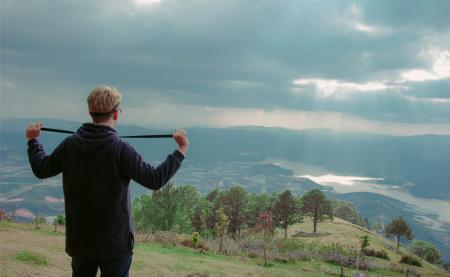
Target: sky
column 360, row 66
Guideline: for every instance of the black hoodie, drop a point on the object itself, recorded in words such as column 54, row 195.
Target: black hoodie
column 97, row 167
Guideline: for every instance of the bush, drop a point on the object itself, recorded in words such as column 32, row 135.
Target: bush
column 194, row 242
column 287, row 245
column 426, row 251
column 168, row 239
column 229, row 246
column 297, row 250
column 348, row 261
column 382, row 254
column 253, row 254
column 60, row 219
column 364, row 242
column 411, row 260
column 404, row 270
column 334, row 248
column 296, row 255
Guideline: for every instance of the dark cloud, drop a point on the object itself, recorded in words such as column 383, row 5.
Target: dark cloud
column 231, row 53
column 414, row 14
column 439, row 89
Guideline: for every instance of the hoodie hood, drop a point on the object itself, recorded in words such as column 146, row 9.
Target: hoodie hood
column 91, row 137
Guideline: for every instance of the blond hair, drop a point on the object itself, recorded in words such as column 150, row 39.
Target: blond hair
column 103, row 99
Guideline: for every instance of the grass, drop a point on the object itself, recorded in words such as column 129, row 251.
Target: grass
column 347, row 234
column 29, row 252
column 31, row 257
column 175, row 261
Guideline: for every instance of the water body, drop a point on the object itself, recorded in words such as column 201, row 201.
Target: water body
column 432, row 212
column 424, row 206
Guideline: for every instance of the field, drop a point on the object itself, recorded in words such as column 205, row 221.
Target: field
column 29, row 252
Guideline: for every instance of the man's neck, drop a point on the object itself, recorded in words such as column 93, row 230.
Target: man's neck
column 109, row 123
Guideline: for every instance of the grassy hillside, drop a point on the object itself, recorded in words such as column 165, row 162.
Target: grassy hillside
column 29, row 252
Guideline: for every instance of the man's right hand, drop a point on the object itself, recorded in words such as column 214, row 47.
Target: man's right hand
column 33, row 131
column 181, row 139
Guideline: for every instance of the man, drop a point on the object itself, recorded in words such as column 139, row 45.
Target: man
column 97, row 167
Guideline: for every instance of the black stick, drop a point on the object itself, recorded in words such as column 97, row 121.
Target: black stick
column 57, row 130
column 149, row 136
column 138, row 136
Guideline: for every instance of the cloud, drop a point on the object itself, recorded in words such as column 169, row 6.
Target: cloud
column 367, row 60
column 440, row 68
column 417, row 14
column 327, row 88
column 140, row 3
column 283, row 118
column 166, row 115
column 365, row 28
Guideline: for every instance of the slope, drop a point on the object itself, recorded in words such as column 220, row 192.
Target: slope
column 29, row 252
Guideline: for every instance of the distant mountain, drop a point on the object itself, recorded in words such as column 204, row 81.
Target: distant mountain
column 421, row 162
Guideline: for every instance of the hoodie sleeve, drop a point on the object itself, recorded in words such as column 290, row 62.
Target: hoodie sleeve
column 134, row 167
column 42, row 165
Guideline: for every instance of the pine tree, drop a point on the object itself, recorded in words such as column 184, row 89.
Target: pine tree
column 399, row 228
column 317, row 206
column 285, row 211
column 233, row 201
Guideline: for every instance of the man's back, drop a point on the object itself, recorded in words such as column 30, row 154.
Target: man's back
column 97, row 167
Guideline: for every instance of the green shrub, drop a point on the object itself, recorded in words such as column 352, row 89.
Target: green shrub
column 60, row 219
column 411, row 260
column 376, row 253
column 407, row 271
column 195, row 238
column 334, row 248
column 364, row 240
column 426, row 251
column 31, row 257
column 287, row 245
column 167, row 239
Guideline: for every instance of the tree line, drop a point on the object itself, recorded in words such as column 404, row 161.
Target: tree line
column 183, row 209
column 230, row 212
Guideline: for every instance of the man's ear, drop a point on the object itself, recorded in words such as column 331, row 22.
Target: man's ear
column 116, row 115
